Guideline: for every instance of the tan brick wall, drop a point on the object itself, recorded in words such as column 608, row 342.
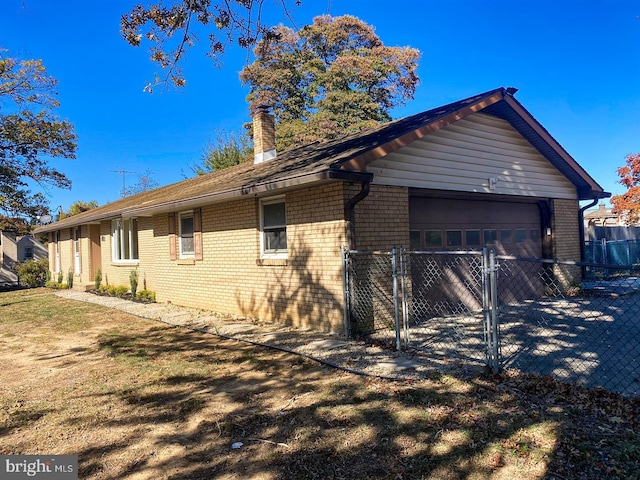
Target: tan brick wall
column 305, row 290
column 566, row 240
column 382, row 218
column 566, row 236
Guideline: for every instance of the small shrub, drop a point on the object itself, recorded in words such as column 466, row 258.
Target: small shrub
column 133, row 281
column 97, row 279
column 56, row 285
column 70, row 278
column 146, row 295
column 60, row 277
column 121, row 291
column 48, row 276
column 108, row 289
column 32, row 273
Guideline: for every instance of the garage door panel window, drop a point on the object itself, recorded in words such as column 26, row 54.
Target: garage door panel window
column 490, row 236
column 521, row 235
column 472, row 238
column 506, row 237
column 534, row 235
column 415, row 240
column 454, row 238
column 433, row 238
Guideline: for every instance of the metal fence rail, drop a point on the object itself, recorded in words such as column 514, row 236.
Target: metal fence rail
column 535, row 315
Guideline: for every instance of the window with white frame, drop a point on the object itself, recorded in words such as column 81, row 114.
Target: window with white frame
column 273, row 227
column 186, row 235
column 124, row 239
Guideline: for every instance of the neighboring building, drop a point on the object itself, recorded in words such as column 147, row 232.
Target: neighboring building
column 264, row 239
column 602, row 217
column 17, row 249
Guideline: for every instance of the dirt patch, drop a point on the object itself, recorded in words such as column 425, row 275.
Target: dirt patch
column 136, row 399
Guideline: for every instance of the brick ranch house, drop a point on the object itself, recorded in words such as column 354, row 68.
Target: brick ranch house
column 264, row 239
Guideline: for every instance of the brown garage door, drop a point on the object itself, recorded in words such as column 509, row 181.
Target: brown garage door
column 513, row 228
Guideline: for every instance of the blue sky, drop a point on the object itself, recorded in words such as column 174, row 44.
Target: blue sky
column 576, row 65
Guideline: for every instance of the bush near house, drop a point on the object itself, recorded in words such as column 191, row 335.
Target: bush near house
column 146, row 296
column 32, row 273
column 97, row 280
column 133, row 281
column 121, row 291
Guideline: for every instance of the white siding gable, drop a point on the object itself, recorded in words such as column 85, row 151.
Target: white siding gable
column 465, row 155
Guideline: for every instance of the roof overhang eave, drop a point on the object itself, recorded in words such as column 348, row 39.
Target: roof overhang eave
column 258, row 189
column 72, row 222
column 591, row 188
column 591, row 194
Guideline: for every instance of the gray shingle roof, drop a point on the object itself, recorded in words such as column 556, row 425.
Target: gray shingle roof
column 343, row 158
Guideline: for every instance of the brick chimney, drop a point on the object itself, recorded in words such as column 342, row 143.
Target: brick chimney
column 264, row 136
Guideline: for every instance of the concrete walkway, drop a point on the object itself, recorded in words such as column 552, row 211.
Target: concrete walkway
column 326, row 348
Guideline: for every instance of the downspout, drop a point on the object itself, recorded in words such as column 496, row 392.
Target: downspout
column 350, row 213
column 581, row 226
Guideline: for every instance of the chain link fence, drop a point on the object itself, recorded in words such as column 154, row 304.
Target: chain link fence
column 613, row 252
column 579, row 322
column 370, row 287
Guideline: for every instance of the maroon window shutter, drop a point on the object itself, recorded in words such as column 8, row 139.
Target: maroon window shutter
column 197, row 233
column 172, row 237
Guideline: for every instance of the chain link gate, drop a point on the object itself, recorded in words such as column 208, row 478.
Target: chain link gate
column 437, row 302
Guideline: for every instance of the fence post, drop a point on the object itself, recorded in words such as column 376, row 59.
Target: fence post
column 345, row 290
column 405, row 303
column 490, row 308
column 486, row 305
column 396, row 307
column 495, row 337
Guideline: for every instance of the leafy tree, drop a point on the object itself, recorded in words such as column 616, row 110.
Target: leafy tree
column 30, row 134
column 329, row 79
column 228, row 149
column 19, row 225
column 628, row 204
column 79, row 206
column 170, row 26
column 32, row 273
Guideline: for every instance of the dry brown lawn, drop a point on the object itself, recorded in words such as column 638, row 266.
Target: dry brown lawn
column 137, row 399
